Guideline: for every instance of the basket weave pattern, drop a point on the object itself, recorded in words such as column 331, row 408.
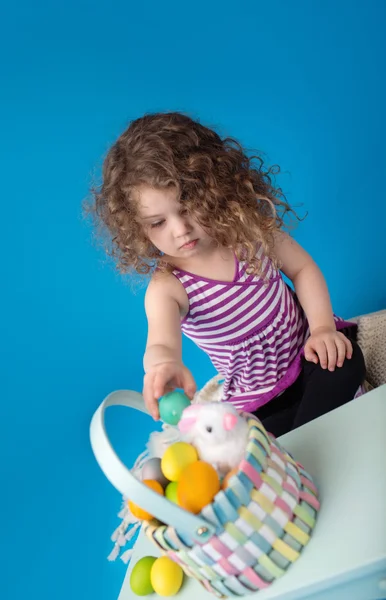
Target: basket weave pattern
column 263, row 520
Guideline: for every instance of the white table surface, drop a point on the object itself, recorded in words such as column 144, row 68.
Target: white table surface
column 345, row 452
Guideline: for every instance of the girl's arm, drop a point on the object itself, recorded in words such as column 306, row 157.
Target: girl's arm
column 325, row 344
column 164, row 370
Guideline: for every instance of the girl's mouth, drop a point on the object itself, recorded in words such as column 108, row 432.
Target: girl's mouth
column 189, row 245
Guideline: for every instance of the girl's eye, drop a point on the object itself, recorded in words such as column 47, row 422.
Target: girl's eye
column 183, row 211
column 158, row 224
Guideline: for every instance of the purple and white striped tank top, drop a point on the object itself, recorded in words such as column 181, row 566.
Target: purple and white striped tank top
column 252, row 328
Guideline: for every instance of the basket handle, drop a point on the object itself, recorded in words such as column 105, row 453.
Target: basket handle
column 123, row 480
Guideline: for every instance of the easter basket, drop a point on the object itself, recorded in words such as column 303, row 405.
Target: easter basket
column 252, row 531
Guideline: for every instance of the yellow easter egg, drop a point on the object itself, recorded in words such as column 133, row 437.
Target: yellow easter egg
column 176, row 458
column 197, row 486
column 166, row 576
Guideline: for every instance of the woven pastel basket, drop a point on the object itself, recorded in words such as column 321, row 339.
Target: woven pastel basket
column 251, row 533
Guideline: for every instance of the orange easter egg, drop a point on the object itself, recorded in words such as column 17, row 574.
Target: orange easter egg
column 225, row 481
column 136, row 510
column 197, row 486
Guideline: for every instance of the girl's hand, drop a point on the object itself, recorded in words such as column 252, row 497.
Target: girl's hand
column 163, row 378
column 328, row 347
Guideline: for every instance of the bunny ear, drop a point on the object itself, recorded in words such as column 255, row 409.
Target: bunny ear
column 189, row 417
column 186, row 424
column 192, row 410
column 229, row 421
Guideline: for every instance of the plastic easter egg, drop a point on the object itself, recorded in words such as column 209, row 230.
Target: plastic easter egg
column 140, row 580
column 171, row 407
column 152, row 470
column 225, row 481
column 171, row 491
column 136, row 510
column 166, row 576
column 176, row 458
column 197, row 486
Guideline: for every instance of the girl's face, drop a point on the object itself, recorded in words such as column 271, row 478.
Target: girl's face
column 169, row 227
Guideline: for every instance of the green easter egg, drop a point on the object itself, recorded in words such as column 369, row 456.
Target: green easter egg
column 140, row 581
column 171, row 491
column 171, row 407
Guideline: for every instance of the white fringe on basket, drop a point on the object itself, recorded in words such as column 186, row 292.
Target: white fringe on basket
column 156, row 446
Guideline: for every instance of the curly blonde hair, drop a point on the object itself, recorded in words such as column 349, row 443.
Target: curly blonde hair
column 230, row 195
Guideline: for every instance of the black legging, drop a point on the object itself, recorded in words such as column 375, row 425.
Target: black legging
column 315, row 392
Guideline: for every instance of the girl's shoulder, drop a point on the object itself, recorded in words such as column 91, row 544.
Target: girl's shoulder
column 160, row 282
column 164, row 285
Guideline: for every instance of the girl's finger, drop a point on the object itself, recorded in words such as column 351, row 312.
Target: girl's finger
column 162, row 386
column 348, row 347
column 149, row 396
column 159, row 384
column 189, row 385
column 341, row 349
column 332, row 354
column 310, row 354
column 321, row 350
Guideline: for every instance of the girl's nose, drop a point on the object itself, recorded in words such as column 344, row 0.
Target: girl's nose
column 181, row 226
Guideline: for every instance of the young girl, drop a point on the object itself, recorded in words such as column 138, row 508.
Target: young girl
column 207, row 222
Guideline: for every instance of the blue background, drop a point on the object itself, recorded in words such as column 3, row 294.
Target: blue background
column 302, row 81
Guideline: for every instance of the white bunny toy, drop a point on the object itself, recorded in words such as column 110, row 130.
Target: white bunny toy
column 218, row 432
